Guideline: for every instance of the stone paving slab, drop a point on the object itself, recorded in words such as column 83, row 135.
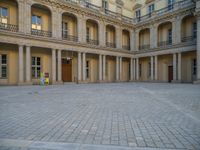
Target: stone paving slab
column 124, row 115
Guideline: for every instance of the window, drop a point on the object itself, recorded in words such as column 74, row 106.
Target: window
column 3, row 66
column 104, row 4
column 138, row 15
column 151, row 9
column 149, row 69
column 3, row 15
column 65, row 29
column 194, row 67
column 87, row 69
column 36, row 67
column 194, row 30
column 170, row 4
column 140, row 70
column 169, row 36
column 88, row 34
column 36, row 22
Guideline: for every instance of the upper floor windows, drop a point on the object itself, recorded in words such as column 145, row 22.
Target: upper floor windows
column 170, row 36
column 151, row 9
column 3, row 15
column 36, row 22
column 170, row 4
column 36, row 67
column 104, row 4
column 65, row 28
column 3, row 66
column 194, row 30
column 138, row 14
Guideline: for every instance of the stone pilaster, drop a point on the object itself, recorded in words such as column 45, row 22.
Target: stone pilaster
column 117, row 68
column 134, row 69
column 176, row 30
column 104, row 67
column 198, row 48
column 156, row 68
column 174, row 68
column 132, row 39
column 21, row 64
column 27, row 18
column 82, row 29
column 21, row 16
column 153, row 36
column 152, row 70
column 179, row 67
column 131, row 69
column 137, row 69
column 53, row 66
column 79, row 67
column 119, row 37
column 84, row 67
column 102, row 34
column 120, row 68
column 28, row 64
column 100, row 68
column 59, row 66
column 136, row 41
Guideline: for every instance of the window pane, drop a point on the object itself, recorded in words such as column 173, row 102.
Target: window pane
column 3, row 71
column 39, row 20
column 38, row 61
column 33, row 19
column 33, row 72
column 33, row 60
column 4, row 59
column 4, row 12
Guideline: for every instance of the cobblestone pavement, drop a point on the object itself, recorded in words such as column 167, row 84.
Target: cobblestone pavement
column 100, row 116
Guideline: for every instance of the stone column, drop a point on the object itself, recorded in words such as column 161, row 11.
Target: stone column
column 153, row 36
column 134, row 69
column 27, row 18
column 156, row 68
column 102, row 34
column 79, row 66
column 100, row 67
column 117, row 68
column 131, row 69
column 104, row 67
column 21, row 64
column 21, row 17
column 152, row 76
column 28, row 64
column 198, row 48
column 132, row 39
column 179, row 67
column 53, row 66
column 118, row 37
column 59, row 66
column 120, row 68
column 137, row 69
column 174, row 67
column 84, row 67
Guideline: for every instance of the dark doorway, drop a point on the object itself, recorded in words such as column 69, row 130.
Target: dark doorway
column 170, row 73
column 67, row 70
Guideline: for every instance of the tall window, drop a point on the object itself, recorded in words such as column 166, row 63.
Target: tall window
column 3, row 15
column 65, row 29
column 151, row 9
column 149, row 69
column 194, row 30
column 36, row 22
column 88, row 34
column 170, row 4
column 36, row 67
column 3, row 66
column 87, row 69
column 194, row 67
column 169, row 36
column 104, row 4
column 140, row 70
column 138, row 14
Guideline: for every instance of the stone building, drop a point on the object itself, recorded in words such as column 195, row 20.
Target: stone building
column 99, row 41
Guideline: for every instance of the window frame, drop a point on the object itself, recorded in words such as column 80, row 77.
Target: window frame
column 36, row 66
column 36, row 24
column 4, row 17
column 3, row 65
column 87, row 69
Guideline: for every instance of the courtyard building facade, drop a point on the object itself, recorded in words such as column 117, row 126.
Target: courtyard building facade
column 88, row 41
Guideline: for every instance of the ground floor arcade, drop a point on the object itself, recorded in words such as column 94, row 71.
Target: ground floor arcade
column 23, row 64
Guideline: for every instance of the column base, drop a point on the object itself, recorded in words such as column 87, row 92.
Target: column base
column 196, row 82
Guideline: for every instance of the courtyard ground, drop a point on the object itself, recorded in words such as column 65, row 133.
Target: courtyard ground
column 117, row 116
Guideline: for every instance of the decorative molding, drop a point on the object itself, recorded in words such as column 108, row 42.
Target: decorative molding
column 120, row 2
column 149, row 1
column 137, row 6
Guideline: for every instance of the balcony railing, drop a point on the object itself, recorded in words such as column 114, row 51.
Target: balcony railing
column 126, row 47
column 127, row 19
column 92, row 42
column 110, row 13
column 8, row 27
column 187, row 39
column 170, row 8
column 144, row 47
column 70, row 37
column 41, row 33
column 109, row 44
column 90, row 6
column 164, row 43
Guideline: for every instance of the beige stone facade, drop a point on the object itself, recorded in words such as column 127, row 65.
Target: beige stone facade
column 99, row 41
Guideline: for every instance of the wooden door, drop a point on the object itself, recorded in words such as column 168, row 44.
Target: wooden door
column 66, row 70
column 170, row 73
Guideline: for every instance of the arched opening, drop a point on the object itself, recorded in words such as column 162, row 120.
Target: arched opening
column 144, row 39
column 165, row 34
column 189, row 29
column 69, row 27
column 126, row 39
column 41, row 22
column 9, row 15
column 92, row 32
column 110, row 36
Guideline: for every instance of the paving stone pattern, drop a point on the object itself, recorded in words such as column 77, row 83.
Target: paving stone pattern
column 123, row 115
